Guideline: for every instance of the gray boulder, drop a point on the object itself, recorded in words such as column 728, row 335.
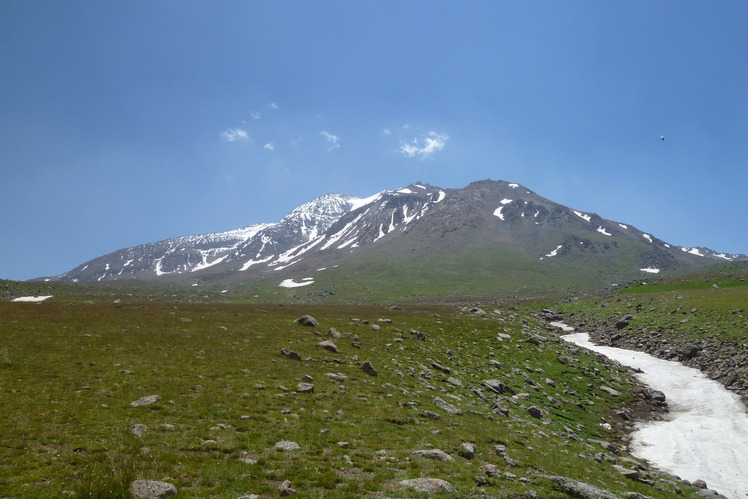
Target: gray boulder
column 152, row 489
column 429, row 485
column 307, row 320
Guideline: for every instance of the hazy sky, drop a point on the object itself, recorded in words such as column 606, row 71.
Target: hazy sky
column 123, row 123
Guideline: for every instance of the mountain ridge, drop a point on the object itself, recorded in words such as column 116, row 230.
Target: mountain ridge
column 413, row 223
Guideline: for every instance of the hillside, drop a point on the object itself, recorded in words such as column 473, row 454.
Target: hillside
column 221, row 400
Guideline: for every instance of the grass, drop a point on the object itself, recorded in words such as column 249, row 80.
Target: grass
column 69, row 371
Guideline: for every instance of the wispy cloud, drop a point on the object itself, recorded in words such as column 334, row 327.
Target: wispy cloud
column 272, row 105
column 235, row 135
column 424, row 147
column 269, row 146
column 332, row 140
column 255, row 115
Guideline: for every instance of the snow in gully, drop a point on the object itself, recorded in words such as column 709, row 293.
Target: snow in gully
column 704, row 436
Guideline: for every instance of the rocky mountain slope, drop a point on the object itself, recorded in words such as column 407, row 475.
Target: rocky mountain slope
column 492, row 226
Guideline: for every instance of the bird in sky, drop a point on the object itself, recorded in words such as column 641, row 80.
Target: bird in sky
column 662, row 137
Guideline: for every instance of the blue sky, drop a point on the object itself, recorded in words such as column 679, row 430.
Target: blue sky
column 123, row 123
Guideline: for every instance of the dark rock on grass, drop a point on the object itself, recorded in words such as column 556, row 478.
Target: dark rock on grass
column 307, row 320
column 582, row 490
column 419, row 335
column 429, row 485
column 535, row 412
column 152, row 489
column 441, row 368
column 497, row 386
column 285, row 488
column 328, row 345
column 287, row 352
column 468, row 450
column 368, row 368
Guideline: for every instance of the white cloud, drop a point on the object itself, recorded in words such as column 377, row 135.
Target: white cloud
column 255, row 115
column 333, row 140
column 269, row 146
column 425, row 147
column 386, row 131
column 272, row 105
column 234, row 135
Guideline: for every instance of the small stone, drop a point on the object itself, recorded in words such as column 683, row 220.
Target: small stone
column 285, row 488
column 334, row 333
column 442, row 404
column 305, row 388
column 287, row 352
column 150, row 399
column 490, row 470
column 138, row 429
column 368, row 368
column 152, row 489
column 535, row 412
column 328, row 345
column 440, row 367
column 343, row 445
column 287, row 446
column 610, row 391
column 468, row 450
column 307, row 320
column 430, row 485
column 435, row 454
column 700, row 484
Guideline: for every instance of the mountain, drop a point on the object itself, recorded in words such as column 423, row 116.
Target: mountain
column 487, row 234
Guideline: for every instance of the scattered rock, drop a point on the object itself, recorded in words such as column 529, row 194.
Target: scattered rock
column 328, row 345
column 582, row 490
column 429, row 485
column 535, row 412
column 443, row 404
column 490, row 470
column 152, row 489
column 419, row 335
column 468, row 450
column 285, row 488
column 368, row 368
column 690, row 351
column 497, row 386
column 435, row 454
column 655, row 395
column 150, row 399
column 700, row 484
column 610, row 391
column 307, row 320
column 287, row 446
column 334, row 333
column 138, row 429
column 287, row 352
column 440, row 367
column 305, row 388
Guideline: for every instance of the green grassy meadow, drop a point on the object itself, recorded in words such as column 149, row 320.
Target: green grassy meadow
column 70, row 368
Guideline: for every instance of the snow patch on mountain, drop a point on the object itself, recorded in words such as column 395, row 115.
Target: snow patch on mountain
column 290, row 283
column 582, row 215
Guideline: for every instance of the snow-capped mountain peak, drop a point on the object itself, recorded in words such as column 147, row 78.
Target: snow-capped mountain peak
column 414, row 220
